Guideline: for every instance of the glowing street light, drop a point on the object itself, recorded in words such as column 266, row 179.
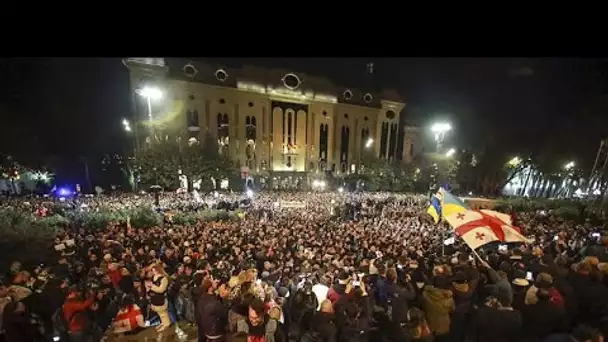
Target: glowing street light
column 369, row 143
column 450, row 152
column 318, row 184
column 125, row 124
column 440, row 129
column 569, row 165
column 150, row 93
column 514, row 161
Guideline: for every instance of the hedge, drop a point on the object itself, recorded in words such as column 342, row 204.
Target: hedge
column 18, row 224
column 567, row 209
column 526, row 204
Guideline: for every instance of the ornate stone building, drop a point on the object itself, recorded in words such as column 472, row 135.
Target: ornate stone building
column 273, row 120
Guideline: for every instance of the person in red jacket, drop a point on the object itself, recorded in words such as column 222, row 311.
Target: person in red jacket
column 74, row 312
column 114, row 274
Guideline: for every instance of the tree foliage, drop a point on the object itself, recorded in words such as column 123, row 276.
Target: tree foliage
column 163, row 159
column 382, row 175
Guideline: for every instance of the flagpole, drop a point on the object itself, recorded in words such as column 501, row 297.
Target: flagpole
column 475, row 253
column 442, row 240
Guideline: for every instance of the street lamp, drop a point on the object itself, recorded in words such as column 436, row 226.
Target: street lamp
column 514, row 161
column 440, row 129
column 369, row 143
column 569, row 165
column 150, row 93
column 450, row 152
column 126, row 125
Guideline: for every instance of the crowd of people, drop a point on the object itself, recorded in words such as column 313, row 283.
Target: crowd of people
column 328, row 266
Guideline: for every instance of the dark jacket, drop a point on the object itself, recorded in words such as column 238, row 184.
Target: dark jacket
column 17, row 326
column 211, row 317
column 542, row 319
column 400, row 302
column 591, row 298
column 324, row 325
column 353, row 318
column 497, row 325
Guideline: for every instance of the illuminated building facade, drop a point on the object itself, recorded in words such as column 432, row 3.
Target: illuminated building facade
column 274, row 120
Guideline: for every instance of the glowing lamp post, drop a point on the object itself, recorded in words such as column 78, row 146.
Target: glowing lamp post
column 514, row 161
column 450, row 152
column 150, row 93
column 440, row 129
column 569, row 166
column 126, row 125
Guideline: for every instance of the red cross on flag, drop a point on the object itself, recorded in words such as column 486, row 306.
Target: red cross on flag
column 479, row 227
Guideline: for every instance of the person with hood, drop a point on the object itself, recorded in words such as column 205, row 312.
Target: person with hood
column 353, row 314
column 403, row 292
column 438, row 304
column 211, row 315
column 497, row 321
column 462, row 289
column 16, row 323
column 542, row 318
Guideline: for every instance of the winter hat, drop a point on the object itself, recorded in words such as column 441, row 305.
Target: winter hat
column 520, row 279
column 460, row 278
column 544, row 281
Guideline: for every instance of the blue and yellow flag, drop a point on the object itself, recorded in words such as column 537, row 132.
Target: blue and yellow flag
column 444, row 203
column 435, row 208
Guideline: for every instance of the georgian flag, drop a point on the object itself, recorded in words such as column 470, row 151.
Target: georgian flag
column 479, row 227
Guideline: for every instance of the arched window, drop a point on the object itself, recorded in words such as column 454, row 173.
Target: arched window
column 222, row 127
column 192, row 118
column 250, row 128
column 383, row 139
column 364, row 137
column 289, row 128
column 323, row 140
column 344, row 141
column 392, row 145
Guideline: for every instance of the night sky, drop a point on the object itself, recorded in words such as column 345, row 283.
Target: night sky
column 66, row 108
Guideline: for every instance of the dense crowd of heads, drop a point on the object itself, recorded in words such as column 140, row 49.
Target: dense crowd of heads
column 310, row 267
